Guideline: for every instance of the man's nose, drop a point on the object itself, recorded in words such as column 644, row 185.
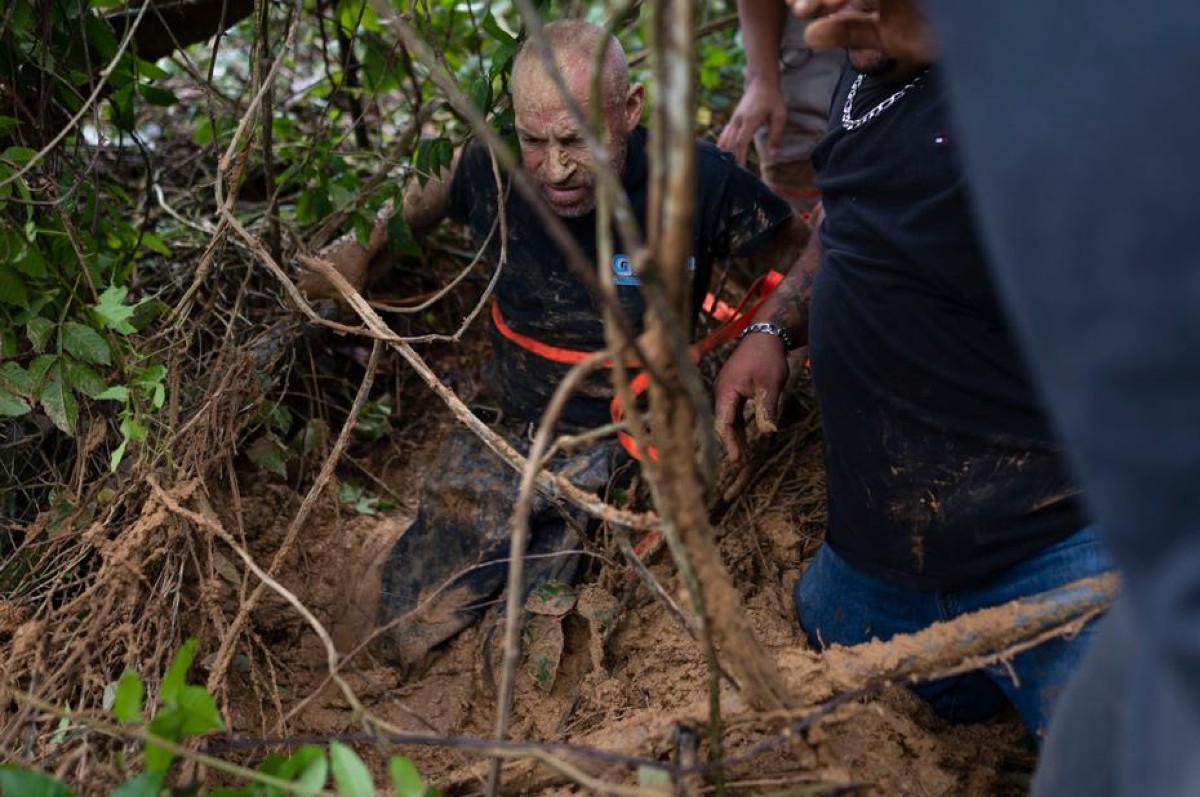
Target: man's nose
column 559, row 165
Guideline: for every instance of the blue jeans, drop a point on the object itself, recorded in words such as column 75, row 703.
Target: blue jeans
column 839, row 603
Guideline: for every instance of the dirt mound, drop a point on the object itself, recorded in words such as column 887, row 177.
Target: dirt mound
column 637, row 690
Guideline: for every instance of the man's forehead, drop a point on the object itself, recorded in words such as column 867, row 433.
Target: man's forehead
column 549, row 119
column 533, row 84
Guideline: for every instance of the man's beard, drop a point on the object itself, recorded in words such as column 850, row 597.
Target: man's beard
column 871, row 63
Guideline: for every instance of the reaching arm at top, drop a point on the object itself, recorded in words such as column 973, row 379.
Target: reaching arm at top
column 758, row 369
column 762, row 99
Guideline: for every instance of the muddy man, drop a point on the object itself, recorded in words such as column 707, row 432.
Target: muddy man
column 449, row 566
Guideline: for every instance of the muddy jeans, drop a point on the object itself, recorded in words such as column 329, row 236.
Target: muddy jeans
column 839, row 603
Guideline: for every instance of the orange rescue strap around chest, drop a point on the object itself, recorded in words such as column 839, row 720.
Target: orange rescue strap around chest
column 733, row 321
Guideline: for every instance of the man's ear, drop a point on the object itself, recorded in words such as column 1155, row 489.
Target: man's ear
column 635, row 103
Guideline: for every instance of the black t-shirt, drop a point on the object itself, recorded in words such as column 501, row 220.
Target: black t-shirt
column 539, row 296
column 941, row 469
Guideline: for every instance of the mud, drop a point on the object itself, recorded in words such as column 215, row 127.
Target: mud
column 630, row 679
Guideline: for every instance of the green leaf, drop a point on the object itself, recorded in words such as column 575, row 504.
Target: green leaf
column 406, row 780
column 115, row 393
column 58, row 401
column 15, row 377
column 7, row 125
column 268, row 453
column 199, row 712
column 313, row 205
column 85, row 343
column 155, row 244
column 164, row 98
column 146, row 311
column 12, row 406
column 83, row 379
column 400, row 237
column 443, row 155
column 113, row 312
column 19, row 782
column 202, row 133
column 18, row 156
column 350, row 774
column 307, row 767
column 121, row 105
column 151, row 70
column 481, row 93
column 173, row 682
column 38, row 370
column 313, row 436
column 31, row 263
column 502, row 59
column 165, row 725
column 39, row 330
column 127, row 707
column 498, row 33
column 12, row 289
column 147, row 784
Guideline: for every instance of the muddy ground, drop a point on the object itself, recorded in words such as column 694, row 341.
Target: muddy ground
column 638, row 693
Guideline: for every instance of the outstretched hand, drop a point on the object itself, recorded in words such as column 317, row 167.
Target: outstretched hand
column 762, row 104
column 756, row 371
column 899, row 28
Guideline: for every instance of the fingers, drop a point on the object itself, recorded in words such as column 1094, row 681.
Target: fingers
column 852, row 30
column 728, row 423
column 812, row 8
column 766, row 410
column 735, row 138
column 775, row 130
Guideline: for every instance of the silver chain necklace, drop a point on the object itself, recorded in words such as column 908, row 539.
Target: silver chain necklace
column 853, row 124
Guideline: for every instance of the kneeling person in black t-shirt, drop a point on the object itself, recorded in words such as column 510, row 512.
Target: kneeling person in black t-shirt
column 450, row 563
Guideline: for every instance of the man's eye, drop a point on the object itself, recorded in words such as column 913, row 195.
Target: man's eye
column 530, row 141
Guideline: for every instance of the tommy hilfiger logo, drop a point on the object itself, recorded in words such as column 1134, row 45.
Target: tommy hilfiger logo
column 622, row 269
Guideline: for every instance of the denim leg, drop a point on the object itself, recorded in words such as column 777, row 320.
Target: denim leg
column 1034, row 680
column 838, row 603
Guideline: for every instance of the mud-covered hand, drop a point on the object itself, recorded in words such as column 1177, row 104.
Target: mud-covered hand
column 756, row 371
column 762, row 104
column 899, row 27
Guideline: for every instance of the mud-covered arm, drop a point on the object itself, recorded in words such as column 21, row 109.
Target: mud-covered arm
column 426, row 205
column 758, row 369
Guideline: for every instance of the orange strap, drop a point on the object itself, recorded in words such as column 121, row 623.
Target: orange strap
column 734, row 320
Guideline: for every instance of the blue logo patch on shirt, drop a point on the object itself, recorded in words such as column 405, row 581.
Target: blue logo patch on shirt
column 622, row 269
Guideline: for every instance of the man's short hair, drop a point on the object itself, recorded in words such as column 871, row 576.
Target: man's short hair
column 575, row 45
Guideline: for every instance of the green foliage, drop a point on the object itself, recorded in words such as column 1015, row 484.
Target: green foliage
column 16, row 780
column 374, row 420
column 67, row 249
column 187, row 711
column 362, row 501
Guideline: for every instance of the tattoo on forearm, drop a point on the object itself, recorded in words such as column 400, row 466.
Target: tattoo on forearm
column 792, row 298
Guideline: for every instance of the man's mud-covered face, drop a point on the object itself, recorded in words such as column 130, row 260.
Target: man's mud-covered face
column 553, row 152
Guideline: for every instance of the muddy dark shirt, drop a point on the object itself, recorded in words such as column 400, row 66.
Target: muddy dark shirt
column 941, row 470
column 540, row 297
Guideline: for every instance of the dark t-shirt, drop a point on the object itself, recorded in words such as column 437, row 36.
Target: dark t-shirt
column 941, row 469
column 540, row 296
